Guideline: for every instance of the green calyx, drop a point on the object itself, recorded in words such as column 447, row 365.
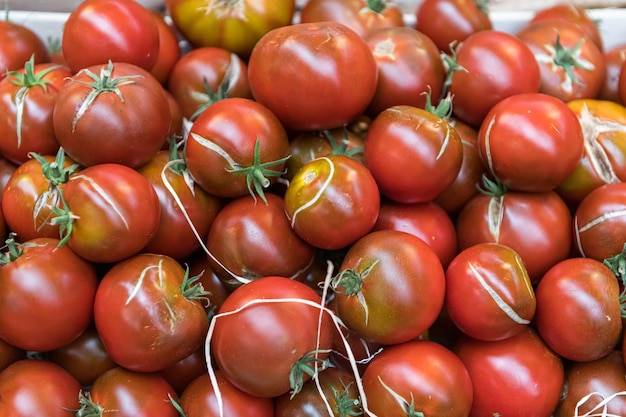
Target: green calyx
column 350, row 281
column 88, row 408
column 223, row 89
column 570, row 59
column 483, row 6
column 193, row 290
column 341, row 147
column 377, row 6
column 451, row 64
column 443, row 109
column 492, row 187
column 55, row 171
column 346, row 405
column 13, row 248
column 617, row 264
column 308, row 364
column 27, row 78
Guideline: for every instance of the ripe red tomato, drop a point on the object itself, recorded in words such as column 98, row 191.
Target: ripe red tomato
column 98, row 31
column 149, row 312
column 614, row 58
column 182, row 373
column 267, row 330
column 169, row 48
column 621, row 84
column 330, row 80
column 417, row 378
column 19, row 44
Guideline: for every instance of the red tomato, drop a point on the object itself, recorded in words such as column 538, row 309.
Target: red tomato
column 50, row 289
column 489, row 295
column 621, row 83
column 413, row 154
column 10, row 354
column 531, row 142
column 614, row 58
column 267, row 330
column 169, row 48
column 102, row 114
column 32, row 387
column 182, row 373
column 516, row 376
column 98, row 31
column 19, row 44
column 330, row 80
column 417, row 378
column 149, row 312
column 332, row 201
column 390, row 287
column 496, row 65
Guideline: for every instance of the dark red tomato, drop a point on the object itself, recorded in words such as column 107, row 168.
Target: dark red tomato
column 98, row 31
column 236, row 147
column 614, row 58
column 497, row 65
column 489, row 295
column 591, row 293
column 169, row 48
column 112, row 213
column 600, row 222
column 205, row 75
column 149, row 312
column 102, row 114
column 362, row 16
column 413, row 154
column 7, row 168
column 531, row 142
column 19, row 44
column 516, row 376
column 417, row 378
column 187, row 211
column 621, row 83
column 428, row 221
column 594, row 387
column 27, row 99
column 332, row 201
column 50, row 289
column 176, row 120
column 535, row 225
column 448, row 21
column 409, row 68
column 124, row 393
column 181, row 373
column 267, row 330
column 338, row 386
column 390, row 287
column 199, row 265
column 32, row 387
column 10, row 354
column 249, row 240
column 85, row 358
column 330, row 80
column 604, row 155
column 571, row 64
column 200, row 399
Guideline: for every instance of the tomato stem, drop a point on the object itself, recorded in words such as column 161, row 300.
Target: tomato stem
column 88, row 408
column 377, row 6
column 492, row 187
column 13, row 249
column 451, row 64
column 341, row 147
column 309, row 364
column 192, row 289
column 177, row 406
column 345, row 404
column 570, row 59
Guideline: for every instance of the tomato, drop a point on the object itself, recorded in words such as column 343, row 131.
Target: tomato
column 10, row 354
column 591, row 293
column 149, row 312
column 249, row 240
column 571, row 64
column 181, row 373
column 236, row 147
column 169, row 48
column 102, row 114
column 496, row 65
column 267, row 330
column 390, row 287
column 362, row 16
column 531, row 142
column 621, row 84
column 330, row 80
column 233, row 25
column 409, row 67
column 19, row 44
column 27, row 99
column 32, row 387
column 126, row 393
column 200, row 399
column 614, row 58
column 413, row 154
column 205, row 75
column 332, row 201
column 521, row 364
column 98, row 31
column 449, row 22
column 110, row 212
column 489, row 295
column 50, row 289
column 417, row 378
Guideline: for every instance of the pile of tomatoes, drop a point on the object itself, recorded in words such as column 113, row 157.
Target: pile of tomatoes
column 249, row 208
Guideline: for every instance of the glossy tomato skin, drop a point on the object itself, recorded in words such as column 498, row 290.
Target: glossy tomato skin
column 413, row 154
column 93, row 22
column 332, row 201
column 20, row 43
column 256, row 341
column 541, row 131
column 32, row 387
column 106, row 130
column 331, row 78
column 145, row 317
column 59, row 283
column 621, row 84
column 421, row 376
column 169, row 48
column 614, row 58
column 489, row 295
column 521, row 364
column 180, row 374
column 497, row 65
